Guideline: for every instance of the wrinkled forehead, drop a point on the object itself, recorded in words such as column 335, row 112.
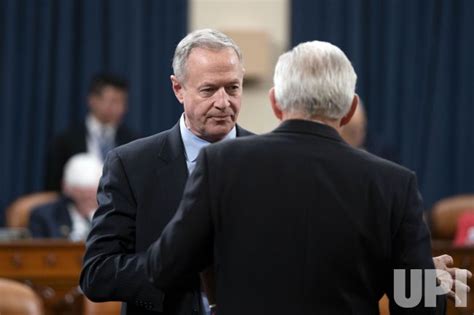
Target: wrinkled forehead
column 203, row 54
column 202, row 63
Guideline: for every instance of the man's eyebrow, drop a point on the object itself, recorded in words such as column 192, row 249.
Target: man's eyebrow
column 206, row 84
column 212, row 84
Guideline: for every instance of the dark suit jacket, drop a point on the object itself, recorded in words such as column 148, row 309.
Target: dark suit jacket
column 51, row 220
column 296, row 222
column 139, row 193
column 69, row 143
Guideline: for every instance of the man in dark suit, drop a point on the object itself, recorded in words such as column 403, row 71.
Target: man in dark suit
column 297, row 221
column 69, row 216
column 99, row 132
column 143, row 181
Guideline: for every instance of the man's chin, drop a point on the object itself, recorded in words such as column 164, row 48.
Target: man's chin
column 218, row 132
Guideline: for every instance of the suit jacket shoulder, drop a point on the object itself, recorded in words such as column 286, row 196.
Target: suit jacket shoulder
column 51, row 220
column 139, row 193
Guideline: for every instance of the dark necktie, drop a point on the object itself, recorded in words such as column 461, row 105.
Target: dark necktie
column 106, row 143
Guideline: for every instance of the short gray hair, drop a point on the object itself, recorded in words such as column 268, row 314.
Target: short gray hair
column 315, row 79
column 204, row 38
column 82, row 170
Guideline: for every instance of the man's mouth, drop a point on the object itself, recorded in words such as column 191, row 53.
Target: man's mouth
column 220, row 118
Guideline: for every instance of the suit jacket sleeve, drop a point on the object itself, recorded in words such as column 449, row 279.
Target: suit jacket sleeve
column 411, row 244
column 112, row 269
column 186, row 243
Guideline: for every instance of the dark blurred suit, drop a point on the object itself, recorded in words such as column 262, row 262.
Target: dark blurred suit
column 139, row 193
column 296, row 222
column 71, row 142
column 51, row 220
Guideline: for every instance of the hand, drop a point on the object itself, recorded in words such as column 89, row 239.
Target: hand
column 447, row 277
column 213, row 308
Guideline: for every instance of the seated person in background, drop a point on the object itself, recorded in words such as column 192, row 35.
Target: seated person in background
column 69, row 217
column 101, row 131
column 355, row 134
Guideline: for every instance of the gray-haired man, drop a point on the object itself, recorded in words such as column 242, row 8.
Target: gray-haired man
column 143, row 181
column 297, row 221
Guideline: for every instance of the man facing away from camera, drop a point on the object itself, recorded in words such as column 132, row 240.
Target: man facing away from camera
column 297, row 221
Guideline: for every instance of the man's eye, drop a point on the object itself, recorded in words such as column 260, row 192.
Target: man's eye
column 207, row 90
column 233, row 88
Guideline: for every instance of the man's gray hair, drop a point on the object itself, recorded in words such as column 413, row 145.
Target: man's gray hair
column 204, row 38
column 315, row 79
column 82, row 170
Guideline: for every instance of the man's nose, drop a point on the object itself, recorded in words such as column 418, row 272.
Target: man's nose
column 222, row 99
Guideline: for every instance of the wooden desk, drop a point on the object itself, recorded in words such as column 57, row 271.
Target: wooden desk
column 50, row 267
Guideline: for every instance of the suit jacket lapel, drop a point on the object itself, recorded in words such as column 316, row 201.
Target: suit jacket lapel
column 241, row 132
column 172, row 170
column 172, row 149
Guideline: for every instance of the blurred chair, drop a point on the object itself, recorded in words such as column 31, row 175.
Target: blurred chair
column 18, row 213
column 445, row 214
column 104, row 308
column 384, row 306
column 18, row 299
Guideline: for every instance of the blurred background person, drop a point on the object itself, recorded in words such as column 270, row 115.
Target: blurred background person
column 355, row 133
column 101, row 130
column 69, row 216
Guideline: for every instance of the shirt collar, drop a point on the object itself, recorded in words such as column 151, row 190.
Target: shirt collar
column 193, row 144
column 95, row 127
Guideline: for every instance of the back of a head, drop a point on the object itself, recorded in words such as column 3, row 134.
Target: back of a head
column 315, row 79
column 82, row 170
column 203, row 38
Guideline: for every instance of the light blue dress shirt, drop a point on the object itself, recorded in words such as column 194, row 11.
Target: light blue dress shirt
column 193, row 144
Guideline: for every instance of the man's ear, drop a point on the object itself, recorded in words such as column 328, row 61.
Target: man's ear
column 177, row 88
column 345, row 120
column 275, row 106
